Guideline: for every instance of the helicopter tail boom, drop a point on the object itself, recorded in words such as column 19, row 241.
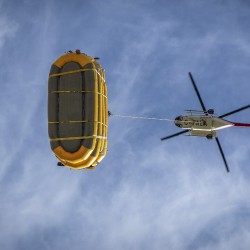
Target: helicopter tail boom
column 238, row 124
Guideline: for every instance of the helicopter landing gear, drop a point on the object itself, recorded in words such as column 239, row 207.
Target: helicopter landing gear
column 209, row 137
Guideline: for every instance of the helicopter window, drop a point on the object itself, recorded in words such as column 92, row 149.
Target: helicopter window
column 178, row 122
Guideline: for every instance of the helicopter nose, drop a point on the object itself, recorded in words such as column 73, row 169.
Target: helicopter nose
column 178, row 120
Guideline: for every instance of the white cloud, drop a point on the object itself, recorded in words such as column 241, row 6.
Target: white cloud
column 7, row 29
column 145, row 194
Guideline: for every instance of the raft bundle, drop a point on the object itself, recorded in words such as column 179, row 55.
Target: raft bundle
column 77, row 111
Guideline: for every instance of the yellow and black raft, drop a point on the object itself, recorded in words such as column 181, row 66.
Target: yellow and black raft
column 77, row 110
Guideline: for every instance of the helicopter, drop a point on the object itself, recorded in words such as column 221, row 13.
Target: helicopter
column 204, row 123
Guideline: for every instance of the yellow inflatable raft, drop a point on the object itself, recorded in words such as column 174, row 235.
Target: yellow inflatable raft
column 77, row 110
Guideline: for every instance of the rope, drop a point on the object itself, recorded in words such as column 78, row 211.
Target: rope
column 76, row 91
column 83, row 121
column 142, row 117
column 76, row 71
column 79, row 138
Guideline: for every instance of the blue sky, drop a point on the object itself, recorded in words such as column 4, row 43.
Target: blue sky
column 146, row 194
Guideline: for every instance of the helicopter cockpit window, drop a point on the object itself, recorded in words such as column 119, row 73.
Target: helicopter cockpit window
column 178, row 122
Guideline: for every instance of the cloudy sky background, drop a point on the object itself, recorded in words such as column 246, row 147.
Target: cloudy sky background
column 146, row 194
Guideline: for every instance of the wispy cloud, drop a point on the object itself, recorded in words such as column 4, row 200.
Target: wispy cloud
column 145, row 194
column 7, row 29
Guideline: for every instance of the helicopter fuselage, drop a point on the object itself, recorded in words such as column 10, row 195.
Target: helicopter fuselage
column 204, row 126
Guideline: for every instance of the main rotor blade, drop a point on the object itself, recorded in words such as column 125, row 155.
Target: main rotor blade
column 235, row 111
column 197, row 91
column 174, row 135
column 222, row 154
